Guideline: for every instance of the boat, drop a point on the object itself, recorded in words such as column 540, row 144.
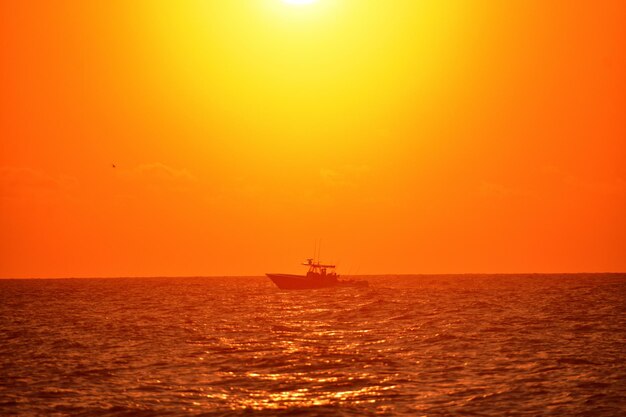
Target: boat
column 318, row 276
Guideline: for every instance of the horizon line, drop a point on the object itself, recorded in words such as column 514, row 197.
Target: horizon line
column 344, row 275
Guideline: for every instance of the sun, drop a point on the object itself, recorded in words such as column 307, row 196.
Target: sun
column 299, row 2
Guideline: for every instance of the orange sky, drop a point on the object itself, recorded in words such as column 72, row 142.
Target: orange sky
column 410, row 136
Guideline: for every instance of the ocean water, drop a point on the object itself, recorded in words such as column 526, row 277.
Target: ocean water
column 407, row 345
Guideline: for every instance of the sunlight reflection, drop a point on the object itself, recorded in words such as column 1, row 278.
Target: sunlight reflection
column 301, row 389
column 301, row 397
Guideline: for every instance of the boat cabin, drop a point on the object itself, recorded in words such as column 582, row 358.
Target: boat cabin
column 320, row 271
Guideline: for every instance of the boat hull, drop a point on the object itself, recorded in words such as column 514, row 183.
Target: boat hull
column 300, row 282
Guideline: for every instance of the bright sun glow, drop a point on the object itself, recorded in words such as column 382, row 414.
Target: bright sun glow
column 299, row 2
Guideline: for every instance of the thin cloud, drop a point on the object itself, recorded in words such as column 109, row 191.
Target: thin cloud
column 24, row 181
column 613, row 187
column 345, row 176
column 154, row 179
column 161, row 171
column 493, row 189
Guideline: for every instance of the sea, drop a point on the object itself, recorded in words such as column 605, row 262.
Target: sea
column 420, row 345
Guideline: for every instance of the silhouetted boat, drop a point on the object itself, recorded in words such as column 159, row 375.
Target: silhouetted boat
column 318, row 276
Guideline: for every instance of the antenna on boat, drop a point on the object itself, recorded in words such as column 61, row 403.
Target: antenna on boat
column 319, row 250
